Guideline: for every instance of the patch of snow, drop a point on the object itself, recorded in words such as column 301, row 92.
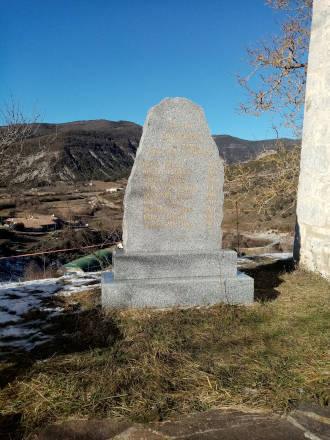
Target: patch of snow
column 52, row 310
column 34, row 284
column 6, row 317
column 278, row 255
column 17, row 299
column 80, row 282
column 245, row 261
column 12, row 331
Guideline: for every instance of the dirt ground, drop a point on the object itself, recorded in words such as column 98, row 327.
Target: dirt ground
column 91, row 213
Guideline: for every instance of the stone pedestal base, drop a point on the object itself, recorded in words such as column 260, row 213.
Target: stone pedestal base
column 168, row 280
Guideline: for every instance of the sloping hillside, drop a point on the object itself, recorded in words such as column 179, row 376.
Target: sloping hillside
column 100, row 149
column 236, row 150
column 75, row 151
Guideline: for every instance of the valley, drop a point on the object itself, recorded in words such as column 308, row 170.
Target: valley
column 90, row 213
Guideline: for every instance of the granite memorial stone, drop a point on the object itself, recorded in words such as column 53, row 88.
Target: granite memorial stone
column 172, row 234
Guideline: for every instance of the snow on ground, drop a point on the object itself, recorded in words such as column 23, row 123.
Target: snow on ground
column 18, row 300
column 278, row 255
column 26, row 312
column 245, row 262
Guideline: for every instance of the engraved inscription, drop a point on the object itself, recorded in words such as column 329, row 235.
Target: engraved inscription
column 210, row 207
column 168, row 187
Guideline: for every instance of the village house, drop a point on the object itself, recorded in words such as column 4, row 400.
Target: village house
column 35, row 223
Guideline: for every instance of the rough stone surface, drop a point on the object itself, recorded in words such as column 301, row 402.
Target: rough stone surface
column 85, row 430
column 312, row 242
column 225, row 424
column 314, row 420
column 173, row 200
column 220, row 263
column 140, row 433
column 172, row 252
column 171, row 292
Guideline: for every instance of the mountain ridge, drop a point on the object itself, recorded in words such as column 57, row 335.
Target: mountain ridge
column 101, row 150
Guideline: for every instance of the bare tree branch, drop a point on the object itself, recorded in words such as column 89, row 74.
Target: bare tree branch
column 280, row 66
column 265, row 186
column 15, row 129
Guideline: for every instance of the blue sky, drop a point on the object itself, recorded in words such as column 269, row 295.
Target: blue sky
column 98, row 59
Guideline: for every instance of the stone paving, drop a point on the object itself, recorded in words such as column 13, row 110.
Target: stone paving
column 306, row 422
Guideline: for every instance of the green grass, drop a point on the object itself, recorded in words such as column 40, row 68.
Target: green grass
column 161, row 363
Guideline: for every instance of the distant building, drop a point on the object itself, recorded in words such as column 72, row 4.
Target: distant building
column 113, row 190
column 35, row 223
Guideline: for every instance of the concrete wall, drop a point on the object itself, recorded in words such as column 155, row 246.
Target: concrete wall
column 312, row 244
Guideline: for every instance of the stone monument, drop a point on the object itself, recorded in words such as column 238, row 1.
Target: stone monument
column 172, row 235
column 312, row 241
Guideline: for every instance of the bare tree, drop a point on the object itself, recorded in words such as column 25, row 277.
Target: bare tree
column 15, row 129
column 266, row 186
column 280, row 65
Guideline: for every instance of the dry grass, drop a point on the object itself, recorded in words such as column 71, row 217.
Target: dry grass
column 34, row 272
column 87, row 299
column 161, row 363
column 264, row 190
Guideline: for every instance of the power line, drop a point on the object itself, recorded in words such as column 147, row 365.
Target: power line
column 55, row 251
